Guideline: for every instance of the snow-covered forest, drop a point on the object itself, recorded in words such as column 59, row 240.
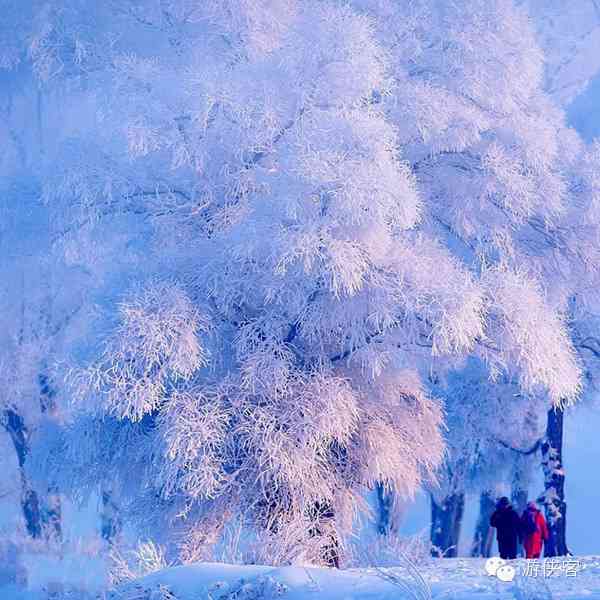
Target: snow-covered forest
column 273, row 268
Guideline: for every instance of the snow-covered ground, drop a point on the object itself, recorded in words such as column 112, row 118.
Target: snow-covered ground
column 437, row 579
column 452, row 579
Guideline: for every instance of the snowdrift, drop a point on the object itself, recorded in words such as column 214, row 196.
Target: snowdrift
column 454, row 579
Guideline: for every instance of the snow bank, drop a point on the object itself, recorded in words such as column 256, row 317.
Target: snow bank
column 444, row 579
column 455, row 579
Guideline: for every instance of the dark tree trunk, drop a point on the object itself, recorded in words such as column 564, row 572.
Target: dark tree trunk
column 39, row 518
column 518, row 498
column 446, row 520
column 110, row 522
column 30, row 505
column 52, row 513
column 51, row 510
column 323, row 526
column 385, row 502
column 484, row 533
column 554, row 484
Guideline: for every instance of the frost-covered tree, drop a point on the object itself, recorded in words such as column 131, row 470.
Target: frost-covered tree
column 51, row 269
column 490, row 450
column 36, row 314
column 570, row 37
column 500, row 194
column 340, row 198
column 583, row 311
column 243, row 357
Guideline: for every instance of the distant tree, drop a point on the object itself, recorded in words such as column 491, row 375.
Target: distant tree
column 32, row 323
column 569, row 34
column 51, row 271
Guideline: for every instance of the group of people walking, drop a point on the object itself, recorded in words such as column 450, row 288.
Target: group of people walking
column 530, row 529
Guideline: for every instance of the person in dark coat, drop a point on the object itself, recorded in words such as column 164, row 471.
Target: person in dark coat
column 535, row 530
column 508, row 526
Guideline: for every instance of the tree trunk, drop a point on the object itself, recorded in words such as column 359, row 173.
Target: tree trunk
column 554, row 484
column 52, row 507
column 40, row 518
column 484, row 533
column 110, row 523
column 518, row 497
column 52, row 514
column 385, row 502
column 446, row 520
column 323, row 528
column 30, row 505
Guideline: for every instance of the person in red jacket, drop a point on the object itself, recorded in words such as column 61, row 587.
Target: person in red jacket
column 533, row 530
